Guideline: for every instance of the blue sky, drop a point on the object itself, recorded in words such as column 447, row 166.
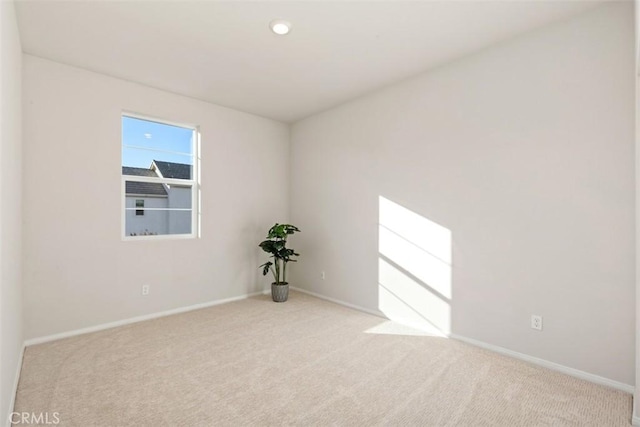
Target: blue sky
column 152, row 135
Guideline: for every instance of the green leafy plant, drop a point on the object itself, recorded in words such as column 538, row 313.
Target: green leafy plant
column 276, row 245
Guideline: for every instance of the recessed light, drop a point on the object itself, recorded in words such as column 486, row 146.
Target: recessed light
column 280, row 27
column 147, row 135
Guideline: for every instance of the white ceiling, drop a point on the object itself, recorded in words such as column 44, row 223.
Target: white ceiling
column 224, row 52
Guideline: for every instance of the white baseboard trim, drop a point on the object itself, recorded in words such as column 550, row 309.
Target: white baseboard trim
column 339, row 302
column 635, row 420
column 16, row 380
column 547, row 364
column 531, row 359
column 136, row 319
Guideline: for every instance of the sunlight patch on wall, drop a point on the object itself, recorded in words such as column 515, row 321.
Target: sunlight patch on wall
column 414, row 269
column 425, row 234
column 405, row 300
column 416, row 261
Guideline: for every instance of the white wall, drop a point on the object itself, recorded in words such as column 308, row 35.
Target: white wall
column 10, row 206
column 78, row 271
column 636, row 395
column 525, row 152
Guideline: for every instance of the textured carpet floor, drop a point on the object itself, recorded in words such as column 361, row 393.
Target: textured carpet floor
column 306, row 362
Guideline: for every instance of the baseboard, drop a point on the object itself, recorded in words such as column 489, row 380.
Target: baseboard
column 550, row 365
column 136, row 319
column 635, row 420
column 339, row 302
column 16, row 380
column 531, row 359
column 525, row 357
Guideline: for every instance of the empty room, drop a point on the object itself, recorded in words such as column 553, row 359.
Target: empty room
column 319, row 213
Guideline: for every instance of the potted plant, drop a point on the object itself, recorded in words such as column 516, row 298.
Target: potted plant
column 276, row 245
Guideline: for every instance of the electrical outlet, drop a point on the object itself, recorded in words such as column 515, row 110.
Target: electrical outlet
column 322, row 275
column 536, row 322
column 145, row 289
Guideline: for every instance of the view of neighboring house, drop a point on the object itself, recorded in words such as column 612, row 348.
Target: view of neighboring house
column 158, row 208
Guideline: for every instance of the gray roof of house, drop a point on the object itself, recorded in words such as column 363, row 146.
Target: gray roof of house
column 142, row 188
column 174, row 170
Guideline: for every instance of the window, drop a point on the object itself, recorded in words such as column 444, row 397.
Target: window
column 159, row 179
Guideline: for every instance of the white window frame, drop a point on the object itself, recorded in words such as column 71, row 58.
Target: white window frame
column 194, row 182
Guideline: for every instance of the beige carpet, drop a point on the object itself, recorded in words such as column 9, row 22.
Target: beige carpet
column 306, row 362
